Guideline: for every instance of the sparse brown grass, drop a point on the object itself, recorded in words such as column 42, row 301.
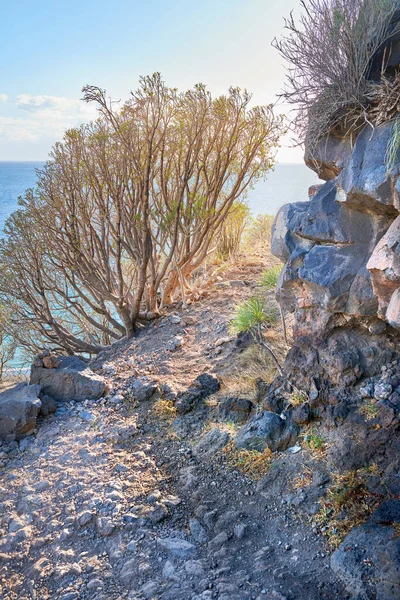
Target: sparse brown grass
column 251, row 463
column 164, row 409
column 347, row 503
column 297, row 397
column 303, row 479
column 252, row 364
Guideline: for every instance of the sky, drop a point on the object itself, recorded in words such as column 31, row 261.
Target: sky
column 51, row 49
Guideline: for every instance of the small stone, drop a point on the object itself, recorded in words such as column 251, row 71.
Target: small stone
column 121, row 468
column 105, row 526
column 367, row 390
column 84, row 518
column 159, row 513
column 176, row 547
column 168, row 570
column 127, row 572
column 95, row 584
column 87, row 416
column 42, row 485
column 239, row 530
column 174, row 343
column 194, row 568
column 382, row 391
column 132, row 546
column 149, row 590
column 15, row 525
column 218, row 541
column 118, row 399
column 198, row 532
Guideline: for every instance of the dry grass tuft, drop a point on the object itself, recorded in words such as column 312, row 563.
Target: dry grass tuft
column 252, row 364
column 297, row 397
column 251, row 463
column 347, row 504
column 164, row 409
column 303, row 480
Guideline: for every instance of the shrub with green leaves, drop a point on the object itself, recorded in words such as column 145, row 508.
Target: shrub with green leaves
column 269, row 278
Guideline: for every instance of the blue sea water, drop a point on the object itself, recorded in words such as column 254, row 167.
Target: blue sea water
column 15, row 178
column 287, row 183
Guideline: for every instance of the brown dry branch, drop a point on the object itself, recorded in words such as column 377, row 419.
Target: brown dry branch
column 329, row 52
column 127, row 208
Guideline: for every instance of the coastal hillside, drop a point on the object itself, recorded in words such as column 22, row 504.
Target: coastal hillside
column 212, row 409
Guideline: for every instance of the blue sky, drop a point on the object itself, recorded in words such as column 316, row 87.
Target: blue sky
column 50, row 49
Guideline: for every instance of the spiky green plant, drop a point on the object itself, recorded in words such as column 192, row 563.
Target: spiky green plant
column 252, row 313
column 269, row 278
column 253, row 316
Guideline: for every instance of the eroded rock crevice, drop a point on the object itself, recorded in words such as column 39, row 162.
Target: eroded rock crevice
column 341, row 277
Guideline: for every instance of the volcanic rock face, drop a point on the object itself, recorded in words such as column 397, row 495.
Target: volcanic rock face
column 342, row 265
column 68, row 379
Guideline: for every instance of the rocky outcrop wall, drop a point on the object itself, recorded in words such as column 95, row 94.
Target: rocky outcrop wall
column 341, row 277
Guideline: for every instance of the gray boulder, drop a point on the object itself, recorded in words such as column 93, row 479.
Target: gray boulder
column 267, row 430
column 71, row 380
column 326, row 246
column 143, row 389
column 366, row 183
column 211, row 443
column 368, row 560
column 49, row 405
column 19, row 408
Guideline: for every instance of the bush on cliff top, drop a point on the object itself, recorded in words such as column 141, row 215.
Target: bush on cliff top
column 329, row 53
column 127, row 208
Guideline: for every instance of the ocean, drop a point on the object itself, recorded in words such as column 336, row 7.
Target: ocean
column 287, row 183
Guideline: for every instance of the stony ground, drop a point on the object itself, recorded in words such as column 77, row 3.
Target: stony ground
column 114, row 499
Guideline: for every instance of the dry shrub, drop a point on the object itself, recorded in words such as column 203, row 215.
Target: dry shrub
column 329, row 51
column 164, row 409
column 347, row 503
column 257, row 236
column 251, row 463
column 252, row 364
column 230, row 237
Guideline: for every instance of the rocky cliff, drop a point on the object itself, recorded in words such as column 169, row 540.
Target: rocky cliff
column 341, row 251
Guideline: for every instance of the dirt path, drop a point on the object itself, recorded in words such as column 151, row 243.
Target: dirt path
column 113, row 499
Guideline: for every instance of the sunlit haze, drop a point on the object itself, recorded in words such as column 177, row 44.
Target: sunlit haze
column 50, row 52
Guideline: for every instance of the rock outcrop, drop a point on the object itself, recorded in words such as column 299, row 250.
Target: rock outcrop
column 19, row 408
column 69, row 378
column 341, row 277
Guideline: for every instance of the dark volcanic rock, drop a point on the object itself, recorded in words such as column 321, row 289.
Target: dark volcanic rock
column 204, row 385
column 329, row 157
column 341, row 277
column 267, row 430
column 19, row 407
column 49, row 405
column 235, row 409
column 72, row 380
column 368, row 561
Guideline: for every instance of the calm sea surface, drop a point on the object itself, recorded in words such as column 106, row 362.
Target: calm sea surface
column 288, row 183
